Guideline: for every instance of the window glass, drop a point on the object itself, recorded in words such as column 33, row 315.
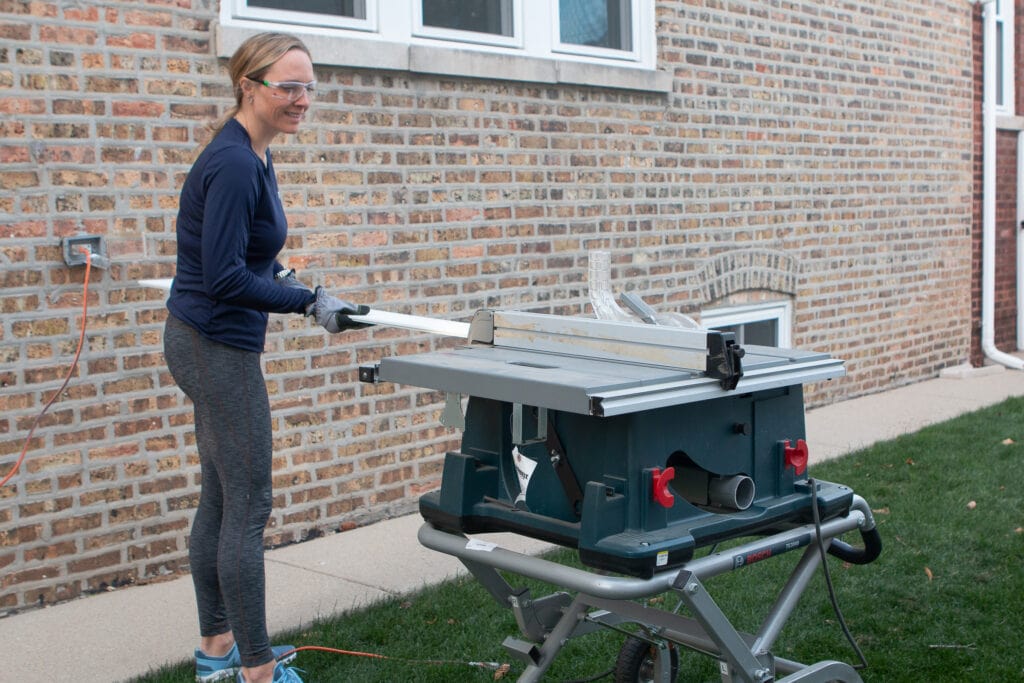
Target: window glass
column 478, row 16
column 596, row 23
column 757, row 332
column 338, row 8
column 764, row 324
column 1000, row 67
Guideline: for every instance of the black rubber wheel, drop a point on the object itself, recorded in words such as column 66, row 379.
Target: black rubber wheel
column 638, row 659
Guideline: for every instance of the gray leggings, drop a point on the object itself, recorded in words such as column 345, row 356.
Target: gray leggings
column 233, row 435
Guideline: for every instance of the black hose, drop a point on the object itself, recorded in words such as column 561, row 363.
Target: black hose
column 869, row 553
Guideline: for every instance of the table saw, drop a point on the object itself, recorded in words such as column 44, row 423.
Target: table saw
column 636, row 445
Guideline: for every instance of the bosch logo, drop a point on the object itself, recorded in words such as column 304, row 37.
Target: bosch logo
column 751, row 558
column 769, row 551
column 758, row 556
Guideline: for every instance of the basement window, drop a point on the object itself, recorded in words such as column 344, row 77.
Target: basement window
column 350, row 14
column 766, row 324
column 490, row 22
column 602, row 28
column 609, row 43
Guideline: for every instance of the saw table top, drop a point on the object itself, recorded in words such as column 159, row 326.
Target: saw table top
column 595, row 386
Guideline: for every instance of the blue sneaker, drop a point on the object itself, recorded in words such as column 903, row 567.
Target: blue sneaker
column 210, row 669
column 282, row 674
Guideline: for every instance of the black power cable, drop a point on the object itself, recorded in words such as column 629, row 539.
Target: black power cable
column 828, row 576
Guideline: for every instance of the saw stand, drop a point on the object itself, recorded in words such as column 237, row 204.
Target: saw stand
column 597, row 601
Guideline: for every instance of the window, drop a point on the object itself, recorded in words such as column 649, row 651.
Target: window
column 350, row 14
column 472, row 21
column 603, row 24
column 766, row 324
column 1005, row 65
column 601, row 42
column 479, row 16
column 342, row 8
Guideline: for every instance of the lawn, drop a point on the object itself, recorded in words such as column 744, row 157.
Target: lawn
column 944, row 602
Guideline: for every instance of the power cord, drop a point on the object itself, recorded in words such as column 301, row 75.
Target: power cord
column 71, row 370
column 828, row 576
column 595, row 677
column 499, row 668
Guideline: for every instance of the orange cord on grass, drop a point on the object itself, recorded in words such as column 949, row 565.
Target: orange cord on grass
column 71, row 371
column 499, row 668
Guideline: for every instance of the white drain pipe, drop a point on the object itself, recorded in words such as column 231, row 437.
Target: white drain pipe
column 988, row 198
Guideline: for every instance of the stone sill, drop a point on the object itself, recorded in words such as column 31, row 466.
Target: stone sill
column 457, row 62
column 1010, row 122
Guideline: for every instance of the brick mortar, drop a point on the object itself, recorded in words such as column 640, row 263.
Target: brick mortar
column 847, row 159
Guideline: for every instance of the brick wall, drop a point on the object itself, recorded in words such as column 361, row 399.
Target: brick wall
column 827, row 142
column 1006, row 241
column 977, row 40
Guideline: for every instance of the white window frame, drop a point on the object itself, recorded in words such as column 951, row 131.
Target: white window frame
column 392, row 36
column 1004, row 10
column 779, row 311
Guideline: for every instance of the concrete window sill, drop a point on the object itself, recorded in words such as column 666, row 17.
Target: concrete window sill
column 458, row 62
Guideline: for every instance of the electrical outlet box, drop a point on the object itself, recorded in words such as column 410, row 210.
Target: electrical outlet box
column 94, row 243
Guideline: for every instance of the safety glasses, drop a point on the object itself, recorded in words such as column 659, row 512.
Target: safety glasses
column 288, row 90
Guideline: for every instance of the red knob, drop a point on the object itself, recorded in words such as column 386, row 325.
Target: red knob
column 796, row 456
column 660, row 481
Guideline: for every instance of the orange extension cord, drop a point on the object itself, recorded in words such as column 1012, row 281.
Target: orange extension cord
column 499, row 668
column 71, row 371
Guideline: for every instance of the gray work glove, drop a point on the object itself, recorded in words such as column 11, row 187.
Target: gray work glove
column 286, row 278
column 332, row 313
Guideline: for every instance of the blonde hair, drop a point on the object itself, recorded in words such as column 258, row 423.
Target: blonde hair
column 252, row 60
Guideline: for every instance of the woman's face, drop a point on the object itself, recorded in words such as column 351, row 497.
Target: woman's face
column 271, row 104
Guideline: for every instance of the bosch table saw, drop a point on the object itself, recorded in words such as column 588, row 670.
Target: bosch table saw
column 636, row 445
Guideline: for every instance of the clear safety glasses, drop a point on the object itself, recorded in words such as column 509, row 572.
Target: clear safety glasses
column 289, row 90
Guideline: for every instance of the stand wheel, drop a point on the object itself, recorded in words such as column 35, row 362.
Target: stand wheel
column 638, row 662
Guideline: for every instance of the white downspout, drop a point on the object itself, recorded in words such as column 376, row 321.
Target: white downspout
column 988, row 197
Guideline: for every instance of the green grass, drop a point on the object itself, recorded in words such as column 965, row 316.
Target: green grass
column 944, row 602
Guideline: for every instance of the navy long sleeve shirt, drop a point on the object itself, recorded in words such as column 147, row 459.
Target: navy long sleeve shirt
column 230, row 228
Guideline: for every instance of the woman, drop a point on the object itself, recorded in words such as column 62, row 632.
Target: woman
column 230, row 228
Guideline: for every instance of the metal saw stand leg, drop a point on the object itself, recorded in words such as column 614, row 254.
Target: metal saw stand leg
column 755, row 667
column 748, row 658
column 549, row 620
column 744, row 657
column 555, row 619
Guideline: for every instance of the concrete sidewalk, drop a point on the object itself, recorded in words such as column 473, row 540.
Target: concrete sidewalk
column 125, row 633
